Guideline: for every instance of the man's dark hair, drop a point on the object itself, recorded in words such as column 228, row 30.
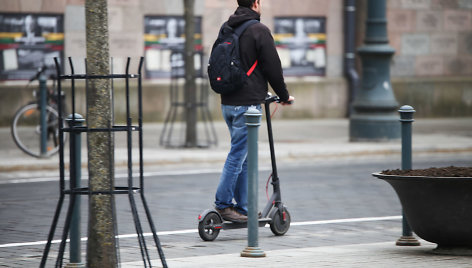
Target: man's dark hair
column 246, row 3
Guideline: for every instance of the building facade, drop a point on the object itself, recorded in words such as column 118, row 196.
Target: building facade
column 430, row 70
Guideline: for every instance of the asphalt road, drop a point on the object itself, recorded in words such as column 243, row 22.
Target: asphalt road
column 316, row 192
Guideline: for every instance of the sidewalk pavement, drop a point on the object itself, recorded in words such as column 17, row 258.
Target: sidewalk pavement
column 295, row 141
column 383, row 254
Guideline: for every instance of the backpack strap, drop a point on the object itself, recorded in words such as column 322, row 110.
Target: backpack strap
column 252, row 69
column 241, row 28
column 225, row 25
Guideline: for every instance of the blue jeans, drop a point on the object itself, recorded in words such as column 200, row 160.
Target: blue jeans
column 233, row 180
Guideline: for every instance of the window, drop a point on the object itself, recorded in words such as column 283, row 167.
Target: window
column 164, row 42
column 301, row 44
column 29, row 41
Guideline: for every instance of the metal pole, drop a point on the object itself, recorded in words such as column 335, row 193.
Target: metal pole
column 350, row 51
column 406, row 119
column 374, row 116
column 75, row 120
column 253, row 121
column 43, row 115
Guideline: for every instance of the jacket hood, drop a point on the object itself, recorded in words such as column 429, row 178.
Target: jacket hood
column 241, row 15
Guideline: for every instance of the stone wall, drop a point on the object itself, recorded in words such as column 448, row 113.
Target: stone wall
column 316, row 98
column 218, row 11
column 126, row 27
column 432, row 38
column 430, row 70
column 435, row 96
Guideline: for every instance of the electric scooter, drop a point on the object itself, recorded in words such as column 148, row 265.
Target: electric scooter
column 275, row 213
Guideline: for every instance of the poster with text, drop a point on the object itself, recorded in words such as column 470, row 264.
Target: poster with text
column 164, row 43
column 29, row 41
column 301, row 44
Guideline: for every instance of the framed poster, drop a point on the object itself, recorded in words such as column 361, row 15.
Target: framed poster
column 29, row 41
column 164, row 43
column 301, row 44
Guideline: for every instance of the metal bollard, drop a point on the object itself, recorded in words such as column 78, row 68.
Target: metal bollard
column 75, row 143
column 406, row 119
column 43, row 121
column 253, row 121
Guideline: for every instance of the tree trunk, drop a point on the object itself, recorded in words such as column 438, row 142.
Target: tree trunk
column 101, row 244
column 190, row 85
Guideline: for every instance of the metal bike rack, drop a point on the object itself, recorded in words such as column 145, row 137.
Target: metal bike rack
column 129, row 189
column 168, row 137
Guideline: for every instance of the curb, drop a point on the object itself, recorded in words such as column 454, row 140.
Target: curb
column 198, row 159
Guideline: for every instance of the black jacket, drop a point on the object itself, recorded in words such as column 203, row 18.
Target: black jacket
column 256, row 43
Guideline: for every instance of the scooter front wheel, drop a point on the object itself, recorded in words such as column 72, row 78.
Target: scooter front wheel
column 280, row 222
column 209, row 227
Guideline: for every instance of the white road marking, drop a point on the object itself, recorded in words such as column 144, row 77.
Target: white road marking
column 117, row 176
column 124, row 175
column 189, row 231
column 386, row 218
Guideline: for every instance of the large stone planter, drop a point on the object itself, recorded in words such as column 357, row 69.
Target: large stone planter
column 438, row 209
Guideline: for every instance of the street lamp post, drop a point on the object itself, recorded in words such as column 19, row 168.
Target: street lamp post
column 374, row 116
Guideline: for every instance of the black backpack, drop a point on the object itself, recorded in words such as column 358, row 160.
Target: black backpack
column 224, row 67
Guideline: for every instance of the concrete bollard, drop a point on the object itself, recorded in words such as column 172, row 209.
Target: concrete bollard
column 406, row 119
column 75, row 144
column 253, row 121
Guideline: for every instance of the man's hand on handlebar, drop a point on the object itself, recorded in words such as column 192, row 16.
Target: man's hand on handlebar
column 270, row 99
column 290, row 100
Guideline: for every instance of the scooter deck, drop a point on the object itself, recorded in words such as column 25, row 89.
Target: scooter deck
column 237, row 225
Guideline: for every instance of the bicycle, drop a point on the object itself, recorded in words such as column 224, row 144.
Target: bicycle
column 26, row 123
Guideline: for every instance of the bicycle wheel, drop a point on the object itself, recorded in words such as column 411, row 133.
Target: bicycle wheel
column 26, row 131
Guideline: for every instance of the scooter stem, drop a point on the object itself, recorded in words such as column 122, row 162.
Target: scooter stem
column 275, row 177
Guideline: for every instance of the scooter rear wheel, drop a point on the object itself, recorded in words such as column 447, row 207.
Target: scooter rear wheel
column 206, row 227
column 278, row 226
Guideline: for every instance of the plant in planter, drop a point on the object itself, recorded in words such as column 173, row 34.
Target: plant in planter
column 437, row 203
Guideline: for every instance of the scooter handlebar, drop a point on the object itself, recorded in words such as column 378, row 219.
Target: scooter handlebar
column 270, row 99
column 287, row 102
